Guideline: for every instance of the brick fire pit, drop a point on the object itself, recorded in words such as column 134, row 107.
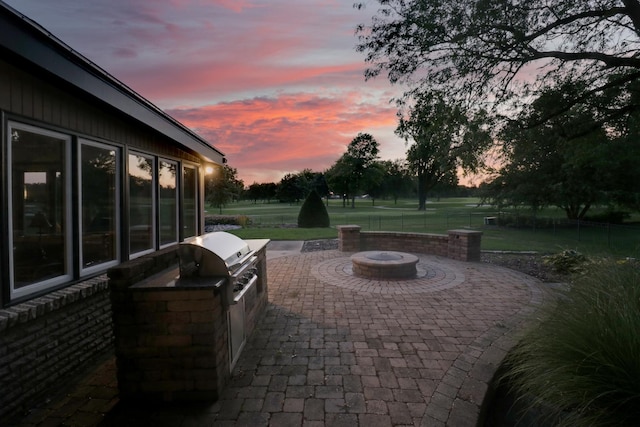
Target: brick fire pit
column 384, row 265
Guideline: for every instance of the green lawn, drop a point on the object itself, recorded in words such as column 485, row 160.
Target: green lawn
column 277, row 221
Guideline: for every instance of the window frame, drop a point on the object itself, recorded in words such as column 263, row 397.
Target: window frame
column 41, row 286
column 153, row 227
column 196, row 205
column 117, row 209
column 176, row 200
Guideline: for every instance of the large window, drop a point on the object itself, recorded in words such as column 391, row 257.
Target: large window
column 141, row 204
column 69, row 199
column 99, row 207
column 168, row 201
column 190, row 201
column 39, row 186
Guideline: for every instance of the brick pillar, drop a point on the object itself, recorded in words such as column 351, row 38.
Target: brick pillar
column 464, row 245
column 349, row 238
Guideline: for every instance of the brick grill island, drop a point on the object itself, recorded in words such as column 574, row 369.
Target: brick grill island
column 178, row 338
column 378, row 265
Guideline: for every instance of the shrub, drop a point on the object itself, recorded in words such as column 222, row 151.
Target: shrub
column 582, row 360
column 611, row 217
column 241, row 220
column 313, row 213
column 566, row 262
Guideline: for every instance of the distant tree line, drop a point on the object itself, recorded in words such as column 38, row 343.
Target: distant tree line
column 350, row 177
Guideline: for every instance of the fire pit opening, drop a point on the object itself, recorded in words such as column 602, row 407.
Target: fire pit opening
column 380, row 265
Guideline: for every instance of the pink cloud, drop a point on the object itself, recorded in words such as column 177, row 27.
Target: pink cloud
column 276, row 84
column 285, row 134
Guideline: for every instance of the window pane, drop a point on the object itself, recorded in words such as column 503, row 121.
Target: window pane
column 99, row 204
column 141, row 203
column 168, row 202
column 38, row 199
column 189, row 211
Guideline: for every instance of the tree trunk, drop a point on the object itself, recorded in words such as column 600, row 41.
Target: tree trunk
column 422, row 195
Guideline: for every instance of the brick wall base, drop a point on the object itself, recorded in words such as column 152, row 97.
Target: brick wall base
column 46, row 342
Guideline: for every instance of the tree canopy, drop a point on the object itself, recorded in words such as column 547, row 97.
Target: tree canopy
column 223, row 186
column 571, row 162
column 356, row 169
column 500, row 53
column 442, row 138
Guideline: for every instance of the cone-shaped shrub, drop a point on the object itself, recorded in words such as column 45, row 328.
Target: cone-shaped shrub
column 313, row 213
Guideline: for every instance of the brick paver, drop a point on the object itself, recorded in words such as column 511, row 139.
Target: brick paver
column 337, row 350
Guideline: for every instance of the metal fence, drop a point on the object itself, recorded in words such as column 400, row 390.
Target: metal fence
column 564, row 230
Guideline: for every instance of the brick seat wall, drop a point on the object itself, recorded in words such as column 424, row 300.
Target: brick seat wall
column 461, row 245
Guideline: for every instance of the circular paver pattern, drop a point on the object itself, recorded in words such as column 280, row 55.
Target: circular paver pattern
column 432, row 275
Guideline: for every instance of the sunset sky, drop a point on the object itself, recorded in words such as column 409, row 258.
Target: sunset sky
column 274, row 84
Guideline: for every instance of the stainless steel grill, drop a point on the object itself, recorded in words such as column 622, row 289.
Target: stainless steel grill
column 220, row 255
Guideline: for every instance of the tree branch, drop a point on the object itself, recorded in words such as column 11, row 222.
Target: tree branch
column 602, row 14
column 609, row 60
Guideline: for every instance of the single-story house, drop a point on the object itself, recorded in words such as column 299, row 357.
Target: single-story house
column 93, row 175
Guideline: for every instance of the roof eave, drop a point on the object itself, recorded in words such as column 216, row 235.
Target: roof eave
column 35, row 44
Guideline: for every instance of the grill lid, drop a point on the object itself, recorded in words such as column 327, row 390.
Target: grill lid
column 212, row 254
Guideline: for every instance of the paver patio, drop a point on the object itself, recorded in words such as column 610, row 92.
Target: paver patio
column 337, row 350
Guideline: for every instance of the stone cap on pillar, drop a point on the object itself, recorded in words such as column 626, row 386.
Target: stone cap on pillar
column 348, row 227
column 465, row 232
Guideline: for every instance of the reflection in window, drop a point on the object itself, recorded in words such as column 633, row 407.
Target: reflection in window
column 141, row 210
column 190, row 201
column 39, row 179
column 99, row 214
column 168, row 200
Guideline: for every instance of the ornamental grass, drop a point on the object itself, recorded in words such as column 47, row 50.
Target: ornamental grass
column 581, row 362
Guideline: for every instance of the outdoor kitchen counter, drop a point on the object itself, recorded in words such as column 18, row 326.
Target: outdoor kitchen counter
column 170, row 278
column 178, row 338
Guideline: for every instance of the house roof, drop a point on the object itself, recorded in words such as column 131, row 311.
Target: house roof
column 33, row 43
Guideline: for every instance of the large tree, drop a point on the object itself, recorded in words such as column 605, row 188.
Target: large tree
column 442, row 138
column 500, row 53
column 338, row 177
column 264, row 191
column 397, row 181
column 355, row 170
column 571, row 162
column 292, row 188
column 223, row 186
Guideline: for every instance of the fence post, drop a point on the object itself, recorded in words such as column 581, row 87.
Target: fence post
column 578, row 229
column 402, row 221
